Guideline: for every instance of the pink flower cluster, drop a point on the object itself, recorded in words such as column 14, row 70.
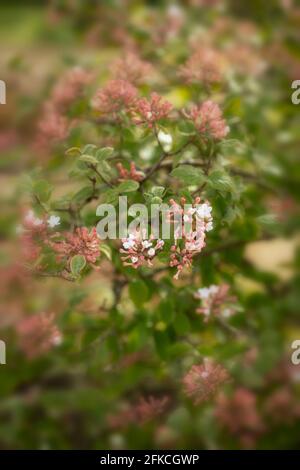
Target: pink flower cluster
column 81, row 242
column 204, row 380
column 208, row 120
column 131, row 174
column 203, row 66
column 53, row 125
column 34, row 234
column 70, row 88
column 239, row 415
column 149, row 112
column 116, row 96
column 137, row 250
column 215, row 301
column 145, row 410
column 190, row 235
column 37, row 334
column 132, row 69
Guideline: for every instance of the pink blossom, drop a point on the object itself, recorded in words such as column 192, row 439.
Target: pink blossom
column 239, row 415
column 149, row 112
column 116, row 96
column 204, row 380
column 53, row 127
column 215, row 301
column 131, row 68
column 132, row 174
column 150, row 407
column 190, row 234
column 208, row 120
column 204, row 66
column 145, row 410
column 81, row 242
column 70, row 87
column 33, row 233
column 137, row 250
column 282, row 407
column 37, row 334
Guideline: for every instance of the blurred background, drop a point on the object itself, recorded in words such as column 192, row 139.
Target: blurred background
column 86, row 392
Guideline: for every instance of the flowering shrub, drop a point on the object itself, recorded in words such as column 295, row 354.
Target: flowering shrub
column 176, row 339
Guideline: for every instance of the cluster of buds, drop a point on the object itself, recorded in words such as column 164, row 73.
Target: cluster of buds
column 116, row 96
column 149, row 112
column 53, row 126
column 203, row 66
column 145, row 410
column 194, row 221
column 136, row 250
column 203, row 381
column 131, row 174
column 81, row 242
column 208, row 120
column 132, row 68
column 70, row 88
column 38, row 334
column 215, row 301
column 34, row 233
column 239, row 415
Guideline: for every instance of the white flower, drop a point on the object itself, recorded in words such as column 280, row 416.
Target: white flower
column 209, row 226
column 30, row 218
column 57, row 340
column 227, row 312
column 53, row 221
column 134, row 259
column 166, row 140
column 213, row 289
column 204, row 292
column 128, row 244
column 146, row 244
column 204, row 210
column 146, row 152
column 151, row 252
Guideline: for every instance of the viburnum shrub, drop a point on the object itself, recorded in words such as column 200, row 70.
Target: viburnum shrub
column 176, row 341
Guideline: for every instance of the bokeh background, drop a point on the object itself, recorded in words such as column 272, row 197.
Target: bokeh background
column 114, row 348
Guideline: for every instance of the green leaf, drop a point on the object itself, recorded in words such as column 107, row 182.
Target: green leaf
column 189, row 175
column 104, row 169
column 138, row 292
column 77, row 264
column 83, row 193
column 128, row 186
column 111, row 196
column 157, row 191
column 73, row 151
column 89, row 149
column 181, row 324
column 42, row 189
column 88, row 159
column 220, row 181
column 104, row 153
column 105, row 249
